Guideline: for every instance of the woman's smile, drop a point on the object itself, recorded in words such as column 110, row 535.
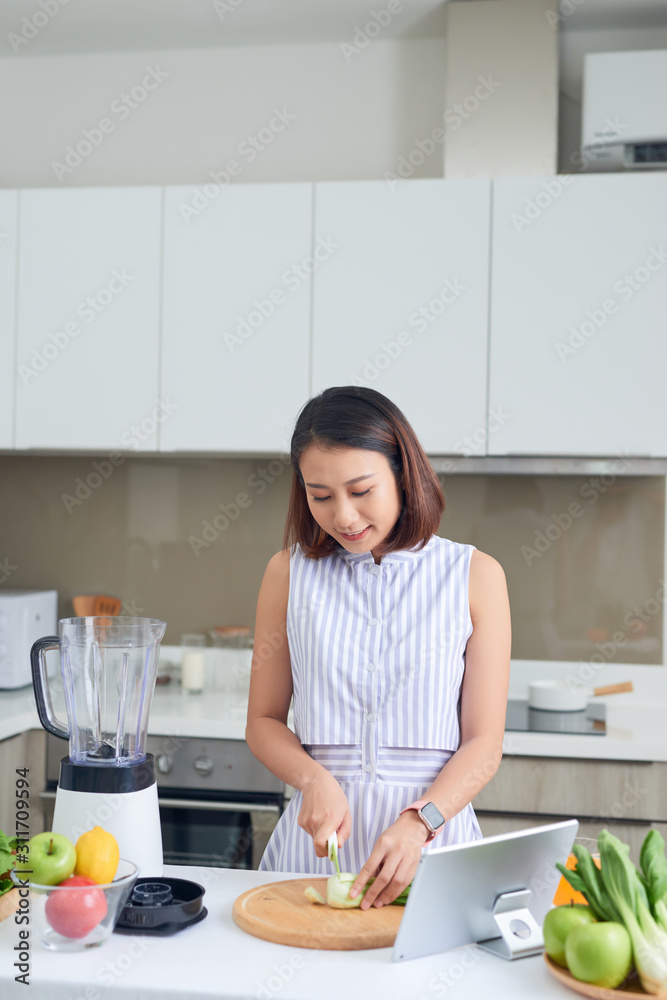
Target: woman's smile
column 355, row 536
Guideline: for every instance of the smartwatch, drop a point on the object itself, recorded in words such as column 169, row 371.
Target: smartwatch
column 430, row 816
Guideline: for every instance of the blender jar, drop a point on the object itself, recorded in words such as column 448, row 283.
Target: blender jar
column 108, row 666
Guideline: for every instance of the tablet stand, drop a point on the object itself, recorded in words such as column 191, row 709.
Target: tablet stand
column 520, row 934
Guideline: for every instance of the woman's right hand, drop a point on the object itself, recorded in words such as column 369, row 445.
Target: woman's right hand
column 324, row 810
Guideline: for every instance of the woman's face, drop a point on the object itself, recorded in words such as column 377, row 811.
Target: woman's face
column 352, row 494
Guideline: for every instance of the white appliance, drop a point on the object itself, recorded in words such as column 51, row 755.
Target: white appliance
column 24, row 616
column 108, row 667
column 624, row 120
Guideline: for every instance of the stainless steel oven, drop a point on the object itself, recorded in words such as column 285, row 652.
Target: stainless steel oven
column 218, row 804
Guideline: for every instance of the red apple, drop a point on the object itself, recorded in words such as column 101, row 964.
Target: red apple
column 76, row 910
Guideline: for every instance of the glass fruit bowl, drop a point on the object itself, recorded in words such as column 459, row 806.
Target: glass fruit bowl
column 76, row 917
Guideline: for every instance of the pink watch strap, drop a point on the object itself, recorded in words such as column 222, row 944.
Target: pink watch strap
column 417, row 806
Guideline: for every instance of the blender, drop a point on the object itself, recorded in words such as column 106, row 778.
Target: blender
column 108, row 666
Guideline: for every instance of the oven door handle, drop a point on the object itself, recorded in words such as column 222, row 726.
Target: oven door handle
column 249, row 807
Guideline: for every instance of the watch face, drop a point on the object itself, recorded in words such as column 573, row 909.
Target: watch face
column 431, row 812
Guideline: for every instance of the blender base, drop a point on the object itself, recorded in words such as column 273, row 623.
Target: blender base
column 132, row 817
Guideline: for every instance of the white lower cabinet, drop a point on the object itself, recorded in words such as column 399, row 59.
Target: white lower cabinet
column 236, row 316
column 88, row 319
column 23, row 757
column 8, row 223
column 401, row 299
column 578, row 306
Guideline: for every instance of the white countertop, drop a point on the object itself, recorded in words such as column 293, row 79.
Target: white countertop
column 636, row 728
column 217, row 959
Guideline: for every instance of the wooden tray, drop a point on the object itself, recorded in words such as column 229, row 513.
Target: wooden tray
column 631, row 987
column 9, row 903
column 281, row 913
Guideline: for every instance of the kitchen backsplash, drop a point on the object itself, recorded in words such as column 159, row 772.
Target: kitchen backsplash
column 187, row 540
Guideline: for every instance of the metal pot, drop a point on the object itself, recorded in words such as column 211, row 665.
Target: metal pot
column 564, row 696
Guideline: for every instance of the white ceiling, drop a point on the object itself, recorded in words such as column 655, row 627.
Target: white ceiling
column 81, row 26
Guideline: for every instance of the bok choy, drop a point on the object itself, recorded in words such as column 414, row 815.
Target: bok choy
column 616, row 892
column 654, row 867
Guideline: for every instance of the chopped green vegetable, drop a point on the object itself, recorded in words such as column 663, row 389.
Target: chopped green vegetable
column 7, row 849
column 338, row 893
column 314, row 896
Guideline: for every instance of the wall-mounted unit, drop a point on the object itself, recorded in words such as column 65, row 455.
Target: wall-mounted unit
column 624, row 121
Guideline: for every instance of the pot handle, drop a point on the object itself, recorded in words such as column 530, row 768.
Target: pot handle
column 40, row 683
column 614, row 688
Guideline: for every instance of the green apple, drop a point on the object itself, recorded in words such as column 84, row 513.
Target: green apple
column 51, row 858
column 557, row 925
column 599, row 953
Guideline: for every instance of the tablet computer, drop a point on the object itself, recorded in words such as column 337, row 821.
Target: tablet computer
column 493, row 892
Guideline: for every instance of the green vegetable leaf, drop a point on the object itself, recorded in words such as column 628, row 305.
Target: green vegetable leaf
column 6, row 861
column 654, row 866
column 577, row 883
column 619, row 874
column 598, row 898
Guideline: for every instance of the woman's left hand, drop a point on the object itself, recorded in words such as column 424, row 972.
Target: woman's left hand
column 393, row 861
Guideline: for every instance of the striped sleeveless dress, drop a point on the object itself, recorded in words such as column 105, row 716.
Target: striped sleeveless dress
column 377, row 655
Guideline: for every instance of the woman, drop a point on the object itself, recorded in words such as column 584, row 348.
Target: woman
column 394, row 644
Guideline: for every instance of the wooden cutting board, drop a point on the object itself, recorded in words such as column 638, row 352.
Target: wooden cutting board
column 281, row 913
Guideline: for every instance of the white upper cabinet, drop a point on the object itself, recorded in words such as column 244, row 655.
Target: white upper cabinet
column 236, row 313
column 8, row 218
column 400, row 301
column 579, row 307
column 88, row 326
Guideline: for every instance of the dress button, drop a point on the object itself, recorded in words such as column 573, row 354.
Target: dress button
column 373, row 621
column 370, row 666
column 368, row 767
column 375, row 570
column 370, row 717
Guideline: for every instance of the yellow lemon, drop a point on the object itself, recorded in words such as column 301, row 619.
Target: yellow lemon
column 97, row 855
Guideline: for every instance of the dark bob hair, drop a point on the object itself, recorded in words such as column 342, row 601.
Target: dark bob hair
column 355, row 417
